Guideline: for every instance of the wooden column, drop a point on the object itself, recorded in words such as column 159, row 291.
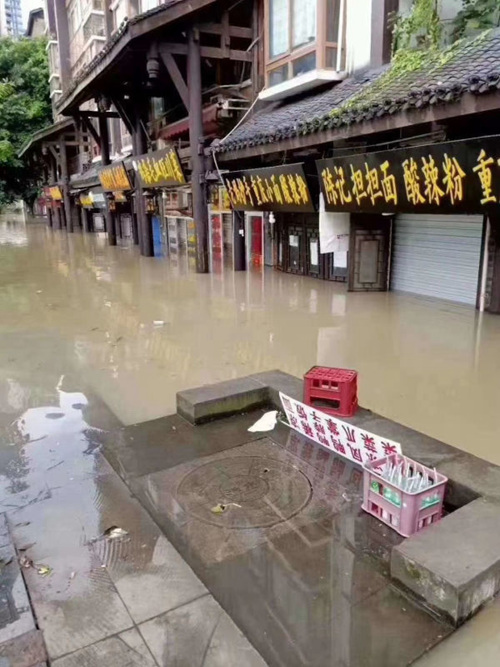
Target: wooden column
column 104, row 136
column 85, row 220
column 63, row 157
column 200, row 210
column 56, row 213
column 144, row 224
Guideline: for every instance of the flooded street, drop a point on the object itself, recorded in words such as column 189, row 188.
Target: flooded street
column 136, row 330
column 95, row 342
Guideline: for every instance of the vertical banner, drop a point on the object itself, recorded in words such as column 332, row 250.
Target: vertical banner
column 334, row 228
column 342, row 438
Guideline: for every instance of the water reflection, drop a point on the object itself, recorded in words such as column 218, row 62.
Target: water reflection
column 426, row 364
column 12, row 232
column 45, row 445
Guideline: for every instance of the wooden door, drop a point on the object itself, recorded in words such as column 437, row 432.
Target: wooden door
column 369, row 253
column 256, row 240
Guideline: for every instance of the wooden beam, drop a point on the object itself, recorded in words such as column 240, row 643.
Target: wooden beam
column 93, row 132
column 96, row 114
column 54, row 152
column 208, row 52
column 234, row 30
column 123, row 114
column 176, row 76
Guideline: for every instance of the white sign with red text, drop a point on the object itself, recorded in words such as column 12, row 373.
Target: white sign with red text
column 353, row 442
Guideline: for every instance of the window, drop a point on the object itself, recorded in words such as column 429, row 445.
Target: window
column 297, row 41
column 300, row 16
column 279, row 29
column 303, row 22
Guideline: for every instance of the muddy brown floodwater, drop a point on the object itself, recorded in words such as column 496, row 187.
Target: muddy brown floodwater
column 137, row 330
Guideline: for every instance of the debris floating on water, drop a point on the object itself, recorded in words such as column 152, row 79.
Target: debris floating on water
column 44, row 570
column 25, row 562
column 158, row 323
column 222, row 507
column 266, row 423
column 114, row 533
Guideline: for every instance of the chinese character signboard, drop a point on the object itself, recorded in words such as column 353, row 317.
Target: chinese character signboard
column 55, row 193
column 159, row 169
column 114, row 177
column 352, row 442
column 283, row 188
column 460, row 176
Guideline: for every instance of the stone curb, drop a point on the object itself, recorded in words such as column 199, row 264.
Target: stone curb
column 21, row 643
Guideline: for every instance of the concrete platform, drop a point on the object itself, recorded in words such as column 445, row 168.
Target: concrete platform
column 455, row 565
column 473, row 490
column 294, row 562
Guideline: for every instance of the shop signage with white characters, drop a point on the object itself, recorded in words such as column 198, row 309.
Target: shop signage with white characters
column 352, row 442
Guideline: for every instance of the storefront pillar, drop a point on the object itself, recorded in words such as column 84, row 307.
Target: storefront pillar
column 493, row 282
column 240, row 263
column 63, row 157
column 104, row 136
column 200, row 204
column 85, row 219
column 145, row 229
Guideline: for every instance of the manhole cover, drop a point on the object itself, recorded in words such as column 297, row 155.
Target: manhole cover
column 248, row 492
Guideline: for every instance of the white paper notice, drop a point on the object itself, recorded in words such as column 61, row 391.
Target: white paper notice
column 313, row 246
column 340, row 260
column 332, row 226
column 352, row 442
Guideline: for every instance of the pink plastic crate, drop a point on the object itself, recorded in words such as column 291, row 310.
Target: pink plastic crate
column 404, row 512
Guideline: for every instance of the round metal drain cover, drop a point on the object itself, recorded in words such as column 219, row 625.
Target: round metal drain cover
column 244, row 492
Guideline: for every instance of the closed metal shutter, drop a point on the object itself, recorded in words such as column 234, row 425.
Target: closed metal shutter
column 437, row 256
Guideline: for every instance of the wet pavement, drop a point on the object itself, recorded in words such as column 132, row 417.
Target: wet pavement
column 290, row 556
column 70, row 304
column 291, row 572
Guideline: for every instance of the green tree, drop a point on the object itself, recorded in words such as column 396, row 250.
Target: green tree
column 24, row 109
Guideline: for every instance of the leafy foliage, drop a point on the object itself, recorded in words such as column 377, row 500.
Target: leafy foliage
column 476, row 15
column 24, row 109
column 421, row 29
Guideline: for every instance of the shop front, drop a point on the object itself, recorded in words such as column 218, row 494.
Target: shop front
column 167, row 198
column 420, row 217
column 221, row 230
column 281, row 222
column 117, row 188
column 92, row 205
column 55, row 208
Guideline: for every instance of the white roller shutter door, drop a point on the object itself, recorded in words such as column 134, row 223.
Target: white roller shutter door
column 437, row 256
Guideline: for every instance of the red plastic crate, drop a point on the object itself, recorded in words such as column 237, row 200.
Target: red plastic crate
column 404, row 512
column 332, row 390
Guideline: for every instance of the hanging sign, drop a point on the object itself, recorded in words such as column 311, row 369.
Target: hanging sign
column 453, row 177
column 119, row 196
column 114, row 177
column 55, row 193
column 349, row 441
column 87, row 200
column 159, row 169
column 282, row 188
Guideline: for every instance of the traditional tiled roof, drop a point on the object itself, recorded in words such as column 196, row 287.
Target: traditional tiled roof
column 471, row 66
column 115, row 38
